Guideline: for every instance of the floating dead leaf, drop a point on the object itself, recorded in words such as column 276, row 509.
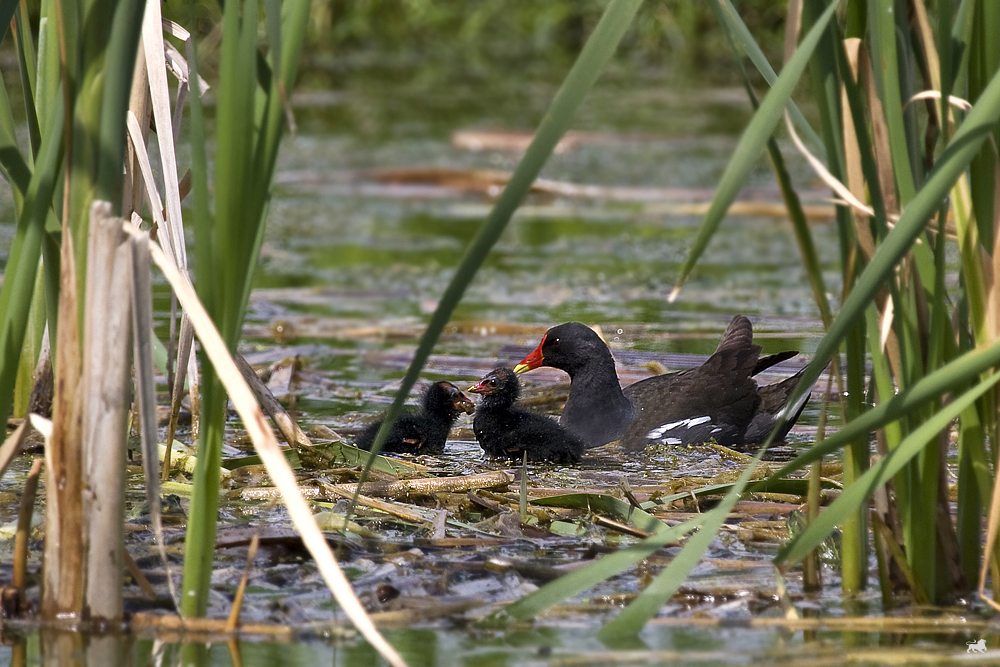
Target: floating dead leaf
column 514, row 142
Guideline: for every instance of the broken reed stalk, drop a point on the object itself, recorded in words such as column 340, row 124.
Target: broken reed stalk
column 267, row 448
column 62, row 588
column 289, row 430
column 392, row 509
column 403, row 618
column 206, row 628
column 251, row 492
column 605, row 522
column 24, row 530
column 177, row 392
column 234, row 613
column 13, row 445
column 140, row 578
column 402, row 488
column 438, row 526
column 105, row 393
column 209, row 629
column 868, row 625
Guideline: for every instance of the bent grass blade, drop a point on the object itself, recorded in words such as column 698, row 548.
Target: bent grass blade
column 270, row 453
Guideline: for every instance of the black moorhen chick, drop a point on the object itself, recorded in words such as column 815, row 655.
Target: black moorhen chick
column 426, row 431
column 718, row 400
column 505, row 431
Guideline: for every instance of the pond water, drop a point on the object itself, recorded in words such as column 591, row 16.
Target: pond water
column 694, row 644
column 354, row 259
column 365, row 228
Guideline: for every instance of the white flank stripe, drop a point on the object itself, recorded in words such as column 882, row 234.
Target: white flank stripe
column 685, row 424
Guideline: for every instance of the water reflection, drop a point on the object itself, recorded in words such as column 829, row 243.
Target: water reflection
column 564, row 638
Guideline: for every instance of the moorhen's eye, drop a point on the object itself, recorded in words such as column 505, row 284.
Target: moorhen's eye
column 555, row 344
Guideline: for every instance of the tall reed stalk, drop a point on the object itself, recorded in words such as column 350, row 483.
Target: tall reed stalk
column 907, row 165
column 227, row 241
column 908, row 108
column 252, row 107
column 76, row 88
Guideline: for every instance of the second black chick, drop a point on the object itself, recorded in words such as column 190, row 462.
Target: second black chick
column 426, row 431
column 506, row 431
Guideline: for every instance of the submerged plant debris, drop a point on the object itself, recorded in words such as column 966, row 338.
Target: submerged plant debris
column 441, row 543
column 436, row 539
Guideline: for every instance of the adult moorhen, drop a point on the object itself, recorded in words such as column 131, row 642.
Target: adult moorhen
column 718, row 400
column 505, row 431
column 426, row 431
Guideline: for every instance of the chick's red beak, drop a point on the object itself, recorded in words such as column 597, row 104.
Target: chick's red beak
column 478, row 388
column 532, row 361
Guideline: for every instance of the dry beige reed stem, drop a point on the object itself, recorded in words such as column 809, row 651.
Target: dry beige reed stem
column 290, row 431
column 105, row 386
column 24, row 528
column 394, row 509
column 270, row 453
column 402, row 488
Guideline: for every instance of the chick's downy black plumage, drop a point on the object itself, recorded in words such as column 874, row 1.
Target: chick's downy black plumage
column 426, row 431
column 506, row 431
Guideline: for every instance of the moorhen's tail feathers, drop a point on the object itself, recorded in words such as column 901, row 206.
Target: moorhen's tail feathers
column 772, row 360
column 773, row 400
column 734, row 362
column 736, row 357
column 739, row 334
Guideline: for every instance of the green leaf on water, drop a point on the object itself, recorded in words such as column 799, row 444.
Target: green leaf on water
column 600, row 503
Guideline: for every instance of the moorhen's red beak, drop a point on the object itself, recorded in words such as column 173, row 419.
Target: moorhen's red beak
column 478, row 388
column 532, row 361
